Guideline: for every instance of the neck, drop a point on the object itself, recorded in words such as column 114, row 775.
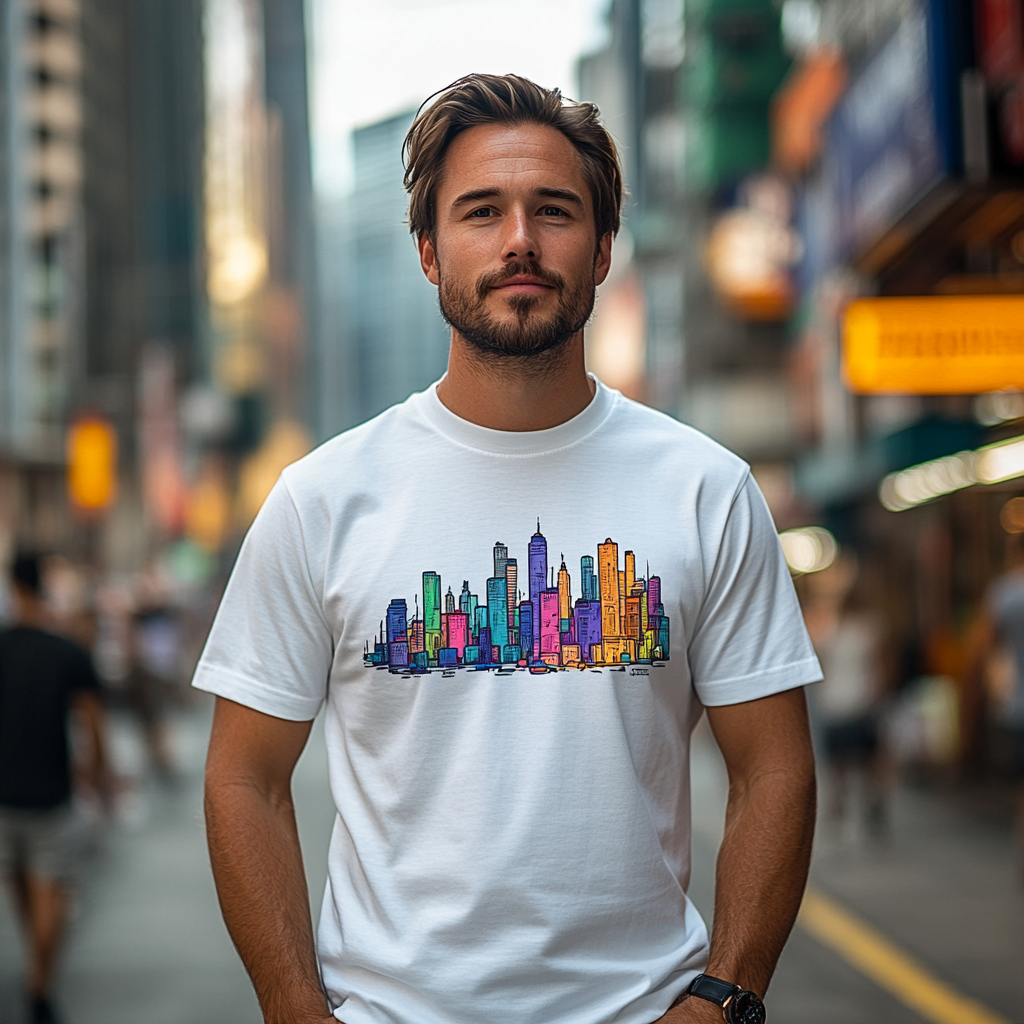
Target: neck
column 534, row 393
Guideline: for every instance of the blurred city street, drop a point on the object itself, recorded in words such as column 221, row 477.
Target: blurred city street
column 207, row 273
column 147, row 942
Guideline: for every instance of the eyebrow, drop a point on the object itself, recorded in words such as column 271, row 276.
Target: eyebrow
column 475, row 195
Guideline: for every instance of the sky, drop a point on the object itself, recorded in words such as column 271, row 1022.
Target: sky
column 373, row 58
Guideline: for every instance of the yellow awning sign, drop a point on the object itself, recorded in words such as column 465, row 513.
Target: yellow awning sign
column 934, row 344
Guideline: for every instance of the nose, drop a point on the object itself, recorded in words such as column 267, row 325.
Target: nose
column 520, row 242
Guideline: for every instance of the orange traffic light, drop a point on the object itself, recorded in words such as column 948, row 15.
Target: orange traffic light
column 92, row 464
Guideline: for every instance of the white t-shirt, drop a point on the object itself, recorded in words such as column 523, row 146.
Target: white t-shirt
column 509, row 755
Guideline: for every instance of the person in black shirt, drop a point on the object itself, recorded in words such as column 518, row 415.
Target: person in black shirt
column 44, row 680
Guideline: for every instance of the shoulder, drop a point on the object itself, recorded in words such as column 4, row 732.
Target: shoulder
column 72, row 651
column 52, row 645
column 676, row 446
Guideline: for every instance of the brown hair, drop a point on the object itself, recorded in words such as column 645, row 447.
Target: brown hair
column 512, row 100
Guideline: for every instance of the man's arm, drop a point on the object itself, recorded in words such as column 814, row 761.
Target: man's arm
column 94, row 769
column 257, row 863
column 766, row 849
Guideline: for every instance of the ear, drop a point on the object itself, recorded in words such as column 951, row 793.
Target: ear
column 604, row 259
column 428, row 258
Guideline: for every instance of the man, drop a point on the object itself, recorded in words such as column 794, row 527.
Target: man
column 44, row 680
column 508, row 725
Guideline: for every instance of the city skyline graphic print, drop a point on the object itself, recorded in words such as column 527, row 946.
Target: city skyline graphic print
column 617, row 618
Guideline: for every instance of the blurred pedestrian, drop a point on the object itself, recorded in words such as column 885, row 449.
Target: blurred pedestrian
column 152, row 676
column 848, row 636
column 512, row 839
column 45, row 680
column 998, row 637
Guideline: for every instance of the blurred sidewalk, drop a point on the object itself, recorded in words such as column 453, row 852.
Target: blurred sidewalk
column 942, row 887
column 147, row 942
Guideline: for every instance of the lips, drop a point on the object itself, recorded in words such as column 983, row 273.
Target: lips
column 520, row 278
column 523, row 282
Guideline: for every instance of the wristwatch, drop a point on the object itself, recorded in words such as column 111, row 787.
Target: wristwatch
column 739, row 1006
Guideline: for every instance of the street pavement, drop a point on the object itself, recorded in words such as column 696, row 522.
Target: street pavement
column 147, row 942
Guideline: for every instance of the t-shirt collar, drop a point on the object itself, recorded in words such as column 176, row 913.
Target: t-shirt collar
column 516, row 442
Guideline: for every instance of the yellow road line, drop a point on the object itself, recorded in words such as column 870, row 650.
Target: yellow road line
column 888, row 966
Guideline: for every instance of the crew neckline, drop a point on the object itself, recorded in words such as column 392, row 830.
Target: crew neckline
column 517, row 442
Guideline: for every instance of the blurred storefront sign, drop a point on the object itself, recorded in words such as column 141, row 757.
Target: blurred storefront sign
column 883, row 144
column 999, row 29
column 1000, row 38
column 802, row 107
column 92, row 465
column 934, row 345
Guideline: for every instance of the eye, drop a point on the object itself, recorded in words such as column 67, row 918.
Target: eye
column 483, row 212
column 554, row 211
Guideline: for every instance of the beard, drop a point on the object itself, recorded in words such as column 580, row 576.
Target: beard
column 527, row 333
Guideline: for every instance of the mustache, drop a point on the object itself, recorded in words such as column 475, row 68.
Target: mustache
column 499, row 277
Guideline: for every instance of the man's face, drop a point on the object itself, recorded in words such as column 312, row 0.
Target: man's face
column 515, row 254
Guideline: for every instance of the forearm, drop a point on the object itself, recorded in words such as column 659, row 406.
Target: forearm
column 261, row 884
column 761, row 874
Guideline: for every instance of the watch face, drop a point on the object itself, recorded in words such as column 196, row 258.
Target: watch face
column 746, row 1008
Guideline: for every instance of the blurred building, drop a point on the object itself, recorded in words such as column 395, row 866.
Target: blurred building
column 259, row 238
column 143, row 304
column 380, row 313
column 685, row 90
column 13, row 257
column 785, row 160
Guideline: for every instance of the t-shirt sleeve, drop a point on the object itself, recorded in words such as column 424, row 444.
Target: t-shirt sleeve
column 270, row 647
column 749, row 639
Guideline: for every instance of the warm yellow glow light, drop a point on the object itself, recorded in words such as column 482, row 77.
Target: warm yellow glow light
column 1001, row 461
column 992, row 464
column 1011, row 517
column 934, row 344
column 92, row 464
column 238, row 266
column 808, row 549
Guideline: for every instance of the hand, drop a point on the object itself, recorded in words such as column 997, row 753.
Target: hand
column 693, row 1011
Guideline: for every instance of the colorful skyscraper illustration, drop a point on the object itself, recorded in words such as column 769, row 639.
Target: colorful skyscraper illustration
column 608, row 580
column 564, row 600
column 512, row 581
column 432, row 615
column 500, row 558
column 588, row 581
column 538, row 581
column 617, row 619
column 497, row 610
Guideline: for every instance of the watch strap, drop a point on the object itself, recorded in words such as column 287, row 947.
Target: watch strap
column 714, row 990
